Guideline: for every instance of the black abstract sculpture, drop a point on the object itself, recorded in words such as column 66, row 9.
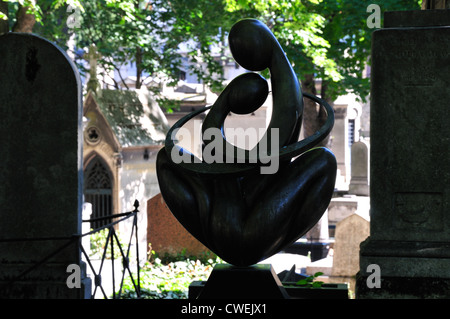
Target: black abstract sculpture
column 232, row 207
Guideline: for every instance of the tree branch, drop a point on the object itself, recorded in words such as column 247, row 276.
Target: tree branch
column 25, row 21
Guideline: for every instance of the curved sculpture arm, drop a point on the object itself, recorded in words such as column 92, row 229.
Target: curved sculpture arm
column 195, row 165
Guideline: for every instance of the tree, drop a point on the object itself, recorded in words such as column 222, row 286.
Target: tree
column 350, row 38
column 144, row 33
column 324, row 39
column 31, row 15
column 148, row 34
column 299, row 30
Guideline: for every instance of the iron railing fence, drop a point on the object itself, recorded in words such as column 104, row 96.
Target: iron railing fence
column 110, row 239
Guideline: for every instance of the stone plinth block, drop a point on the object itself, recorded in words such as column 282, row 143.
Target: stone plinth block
column 254, row 282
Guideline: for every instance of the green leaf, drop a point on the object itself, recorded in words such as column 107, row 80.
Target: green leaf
column 317, row 284
column 317, row 274
column 302, row 282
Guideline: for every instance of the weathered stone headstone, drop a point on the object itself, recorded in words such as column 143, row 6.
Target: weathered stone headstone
column 359, row 182
column 350, row 232
column 343, row 207
column 40, row 171
column 410, row 161
column 166, row 235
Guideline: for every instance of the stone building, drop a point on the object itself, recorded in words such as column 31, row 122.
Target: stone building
column 123, row 131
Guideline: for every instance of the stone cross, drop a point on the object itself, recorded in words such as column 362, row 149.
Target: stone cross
column 92, row 56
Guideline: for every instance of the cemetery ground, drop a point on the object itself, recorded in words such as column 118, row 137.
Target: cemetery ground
column 169, row 276
column 409, row 177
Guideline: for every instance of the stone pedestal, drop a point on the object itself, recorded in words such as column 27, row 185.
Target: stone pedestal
column 253, row 282
column 410, row 161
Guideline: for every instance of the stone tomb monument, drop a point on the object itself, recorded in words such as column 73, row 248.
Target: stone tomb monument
column 40, row 171
column 410, row 160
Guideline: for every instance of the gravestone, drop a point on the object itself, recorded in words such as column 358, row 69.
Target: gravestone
column 41, row 171
column 359, row 182
column 345, row 206
column 166, row 235
column 410, row 162
column 350, row 232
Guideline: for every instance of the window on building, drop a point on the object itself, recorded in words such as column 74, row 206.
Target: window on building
column 98, row 191
column 182, row 76
column 351, row 132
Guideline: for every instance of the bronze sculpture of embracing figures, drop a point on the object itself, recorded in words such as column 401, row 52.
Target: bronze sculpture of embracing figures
column 246, row 205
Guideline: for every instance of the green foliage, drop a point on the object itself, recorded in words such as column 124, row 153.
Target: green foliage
column 204, row 258
column 99, row 241
column 33, row 8
column 310, row 281
column 346, row 30
column 169, row 279
column 327, row 38
column 148, row 35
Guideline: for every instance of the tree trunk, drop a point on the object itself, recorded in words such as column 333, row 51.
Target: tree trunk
column 138, row 67
column 138, row 57
column 322, row 112
column 435, row 4
column 313, row 115
column 4, row 26
column 25, row 22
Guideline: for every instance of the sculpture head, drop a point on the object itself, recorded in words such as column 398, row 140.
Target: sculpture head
column 251, row 44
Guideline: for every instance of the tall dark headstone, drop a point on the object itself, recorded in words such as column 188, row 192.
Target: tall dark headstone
column 40, row 170
column 409, row 239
